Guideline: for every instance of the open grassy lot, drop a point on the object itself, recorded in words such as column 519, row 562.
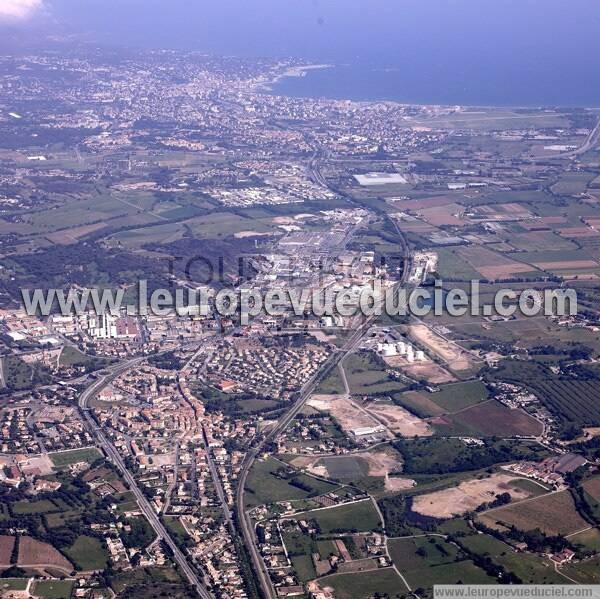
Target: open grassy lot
column 443, row 456
column 458, row 396
column 70, row 356
column 13, row 584
column 269, row 482
column 530, row 568
column 66, row 458
column 366, row 374
column 177, row 529
column 347, row 468
column 426, row 561
column 587, row 572
column 34, row 507
column 354, row 517
column 590, row 539
column 53, row 589
column 332, row 384
column 88, row 553
column 384, row 582
column 304, row 567
column 152, row 576
column 553, row 514
column 419, row 403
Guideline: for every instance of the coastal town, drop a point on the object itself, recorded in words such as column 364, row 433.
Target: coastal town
column 309, row 453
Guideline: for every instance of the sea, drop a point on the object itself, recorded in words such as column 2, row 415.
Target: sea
column 467, row 52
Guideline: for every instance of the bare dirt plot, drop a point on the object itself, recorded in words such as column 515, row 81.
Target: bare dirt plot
column 567, row 265
column 417, row 226
column 380, row 464
column 69, row 236
column 444, row 215
column 492, row 266
column 553, row 514
column 349, row 415
column 34, row 553
column 399, row 420
column 429, row 371
column 592, row 487
column 423, row 203
column 41, row 465
column 452, row 354
column 6, row 548
column 468, row 495
column 500, row 211
column 577, row 232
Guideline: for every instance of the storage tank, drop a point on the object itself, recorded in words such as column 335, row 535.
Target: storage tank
column 401, row 348
column 389, row 349
column 420, row 356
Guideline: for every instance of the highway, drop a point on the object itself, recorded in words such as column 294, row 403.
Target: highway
column 307, row 390
column 115, row 457
column 589, row 144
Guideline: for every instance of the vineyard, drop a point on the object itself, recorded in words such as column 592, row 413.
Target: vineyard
column 571, row 400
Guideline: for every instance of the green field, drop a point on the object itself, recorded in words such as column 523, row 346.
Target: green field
column 88, row 553
column 53, row 589
column 366, row 374
column 355, row 517
column 382, row 583
column 151, row 576
column 34, row 507
column 345, row 468
column 177, row 529
column 66, row 458
column 332, row 384
column 590, row 539
column 457, row 396
column 425, row 561
column 266, row 485
column 443, row 456
column 13, row 584
column 587, row 572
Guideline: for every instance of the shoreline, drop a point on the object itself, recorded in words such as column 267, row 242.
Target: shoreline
column 302, row 70
column 294, row 72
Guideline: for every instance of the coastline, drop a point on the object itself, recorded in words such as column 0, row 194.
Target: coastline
column 292, row 71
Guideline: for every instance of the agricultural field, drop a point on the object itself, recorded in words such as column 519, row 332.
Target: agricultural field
column 592, row 488
column 488, row 419
column 36, row 554
column 458, row 396
column 553, row 514
column 360, row 516
column 574, row 401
